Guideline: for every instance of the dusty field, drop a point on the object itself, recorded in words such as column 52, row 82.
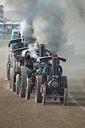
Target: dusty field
column 17, row 112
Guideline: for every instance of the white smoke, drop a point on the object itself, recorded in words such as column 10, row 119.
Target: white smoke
column 23, row 27
column 32, row 50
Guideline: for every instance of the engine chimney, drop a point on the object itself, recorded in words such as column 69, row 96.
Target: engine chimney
column 42, row 50
column 54, row 65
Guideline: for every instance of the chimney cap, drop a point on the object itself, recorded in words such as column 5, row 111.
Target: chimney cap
column 55, row 56
column 42, row 44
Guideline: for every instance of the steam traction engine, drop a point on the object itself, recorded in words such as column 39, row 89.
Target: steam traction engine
column 13, row 45
column 51, row 84
column 15, row 60
column 38, row 71
column 25, row 80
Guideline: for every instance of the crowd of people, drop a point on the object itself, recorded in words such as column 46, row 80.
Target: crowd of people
column 5, row 30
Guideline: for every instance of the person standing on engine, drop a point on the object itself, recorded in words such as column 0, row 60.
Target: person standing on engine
column 47, row 69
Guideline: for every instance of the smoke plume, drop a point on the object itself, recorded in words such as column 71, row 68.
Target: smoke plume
column 23, row 26
column 33, row 50
column 45, row 21
column 49, row 26
column 24, row 9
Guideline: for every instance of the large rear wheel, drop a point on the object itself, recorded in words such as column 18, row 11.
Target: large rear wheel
column 64, row 81
column 14, row 76
column 8, row 71
column 8, row 68
column 63, row 99
column 23, row 81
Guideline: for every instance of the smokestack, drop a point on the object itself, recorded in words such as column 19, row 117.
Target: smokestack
column 42, row 50
column 54, row 62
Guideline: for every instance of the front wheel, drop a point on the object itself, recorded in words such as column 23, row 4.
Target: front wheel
column 8, row 71
column 28, row 89
column 17, row 83
column 43, row 95
column 11, row 78
column 38, row 83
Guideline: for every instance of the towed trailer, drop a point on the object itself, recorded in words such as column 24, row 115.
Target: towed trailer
column 51, row 85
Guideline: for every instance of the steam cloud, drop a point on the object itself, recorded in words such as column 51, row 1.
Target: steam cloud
column 32, row 50
column 23, row 26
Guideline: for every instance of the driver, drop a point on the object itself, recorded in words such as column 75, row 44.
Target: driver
column 47, row 69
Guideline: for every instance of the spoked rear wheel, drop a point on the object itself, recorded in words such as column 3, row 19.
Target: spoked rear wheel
column 13, row 75
column 63, row 99
column 23, row 81
column 8, row 71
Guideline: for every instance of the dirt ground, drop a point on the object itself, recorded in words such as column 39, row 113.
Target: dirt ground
column 17, row 112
